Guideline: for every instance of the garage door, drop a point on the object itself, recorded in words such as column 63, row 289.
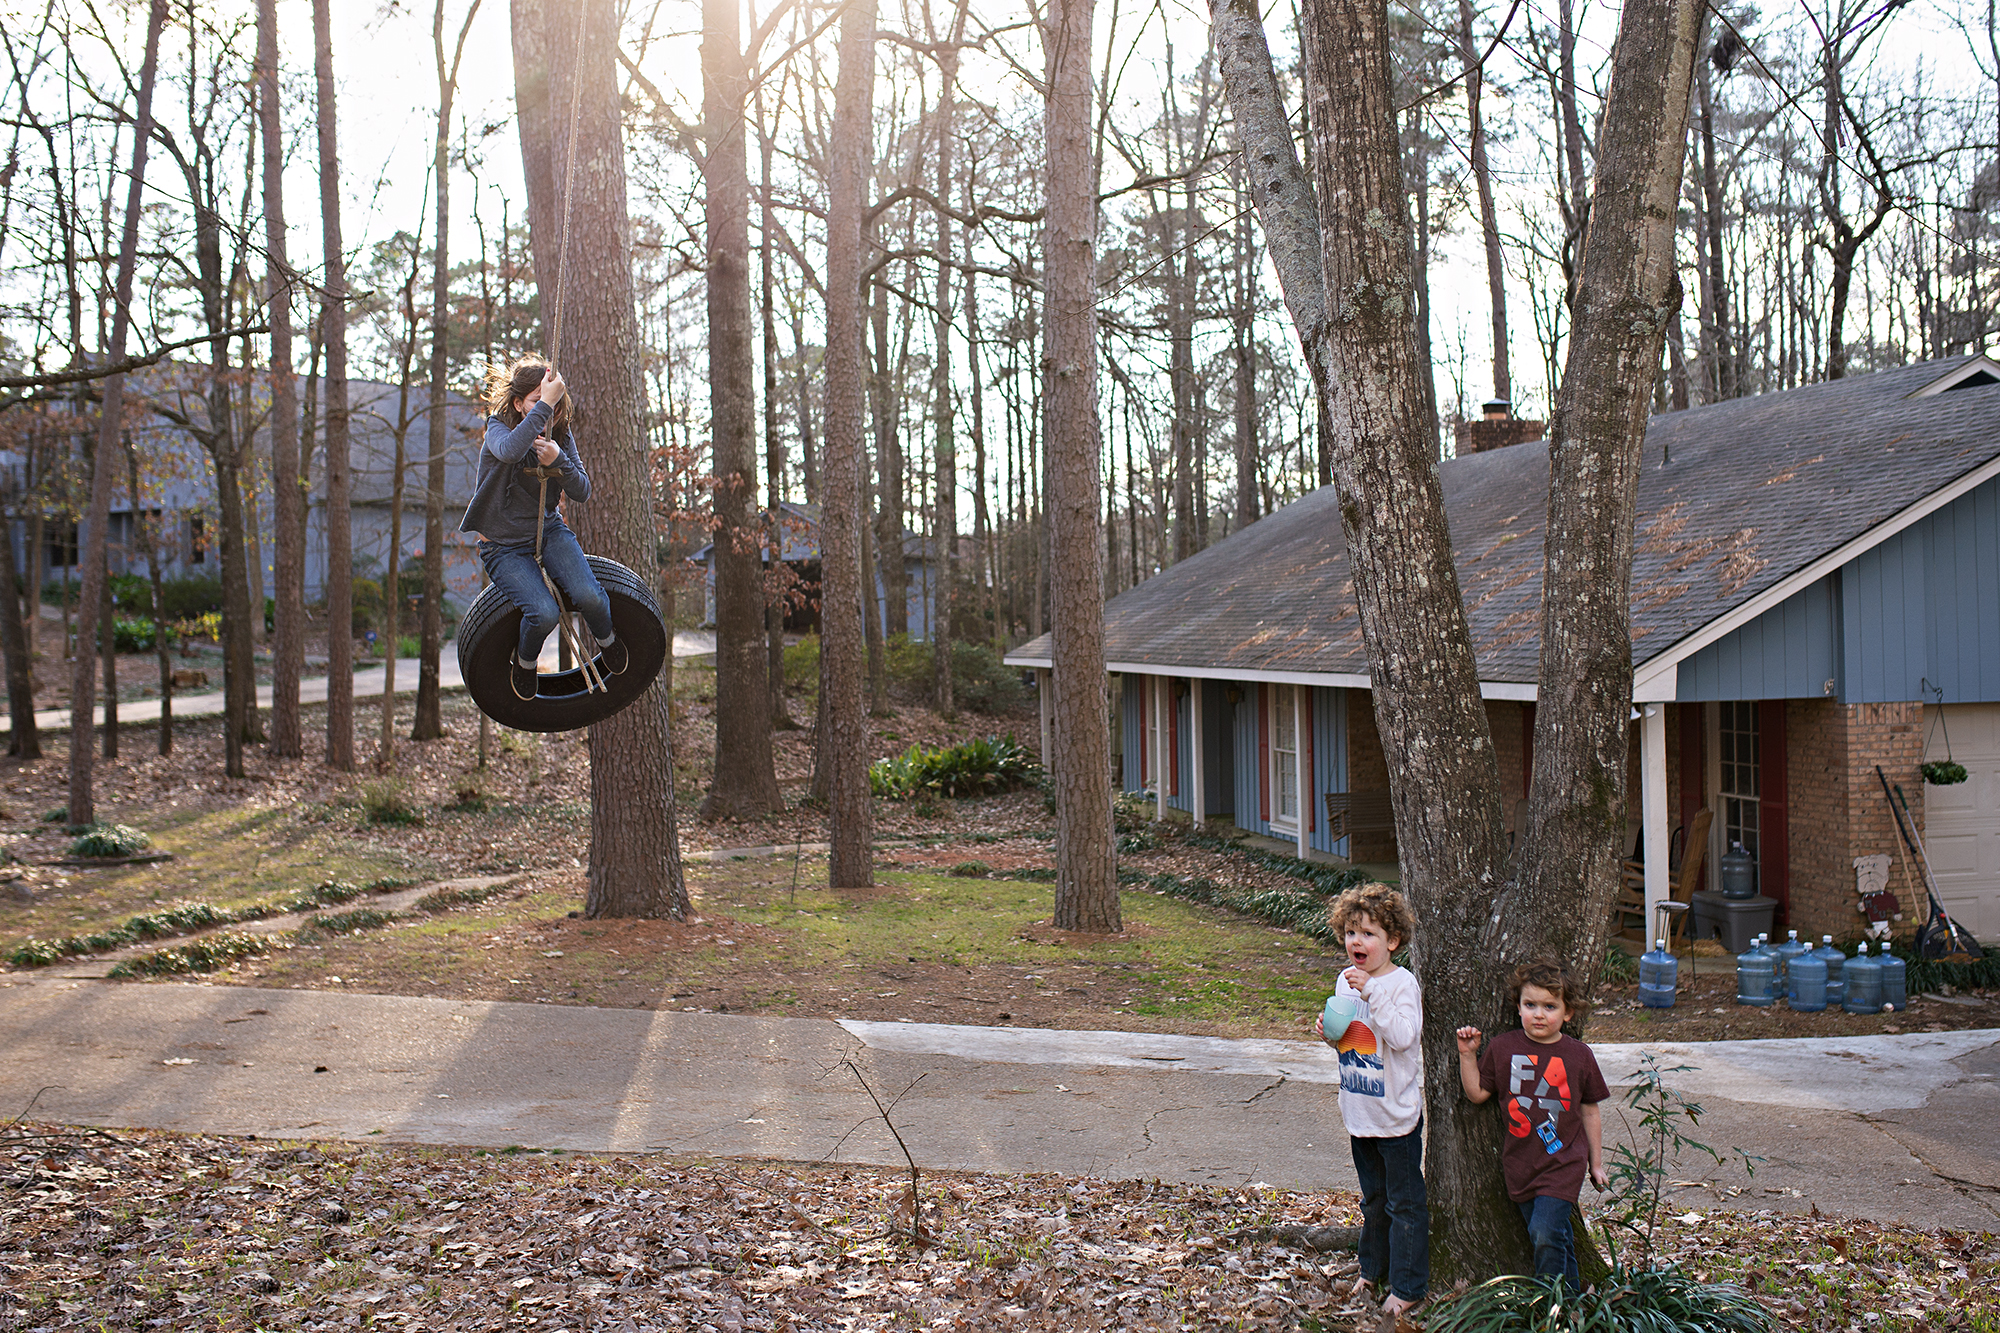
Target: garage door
column 1962, row 822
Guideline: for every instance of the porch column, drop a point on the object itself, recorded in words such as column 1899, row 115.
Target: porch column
column 1156, row 690
column 1197, row 790
column 1300, row 749
column 1653, row 808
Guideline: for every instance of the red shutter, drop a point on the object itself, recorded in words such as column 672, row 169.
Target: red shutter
column 1694, row 771
column 1263, row 752
column 1527, row 751
column 1774, row 861
column 1173, row 740
column 1306, row 721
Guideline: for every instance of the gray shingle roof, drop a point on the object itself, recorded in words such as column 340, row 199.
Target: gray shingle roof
column 1734, row 499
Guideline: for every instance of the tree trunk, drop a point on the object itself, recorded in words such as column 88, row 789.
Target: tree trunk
column 894, row 615
column 1426, row 694
column 1489, row 222
column 148, row 537
column 288, row 649
column 1715, row 310
column 107, row 647
column 745, row 782
column 774, row 446
column 944, row 552
column 339, row 586
column 428, row 724
column 24, row 740
column 1243, row 342
column 1086, row 867
column 110, row 434
column 635, row 860
column 844, row 730
column 1626, row 296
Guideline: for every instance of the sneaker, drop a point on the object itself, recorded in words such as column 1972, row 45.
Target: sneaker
column 614, row 656
column 527, row 680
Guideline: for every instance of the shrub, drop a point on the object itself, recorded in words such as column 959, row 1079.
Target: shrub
column 194, row 595
column 982, row 682
column 136, row 636
column 974, row 768
column 367, row 605
column 131, row 594
column 205, row 626
column 110, row 840
column 388, row 802
column 972, row 870
column 802, row 665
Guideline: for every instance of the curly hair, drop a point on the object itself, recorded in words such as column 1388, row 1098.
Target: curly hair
column 1381, row 904
column 1549, row 975
column 504, row 385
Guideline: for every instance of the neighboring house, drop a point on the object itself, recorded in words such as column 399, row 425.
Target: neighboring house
column 801, row 552
column 179, row 482
column 1816, row 590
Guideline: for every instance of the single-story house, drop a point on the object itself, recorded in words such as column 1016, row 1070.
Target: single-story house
column 800, row 538
column 178, row 483
column 1816, row 591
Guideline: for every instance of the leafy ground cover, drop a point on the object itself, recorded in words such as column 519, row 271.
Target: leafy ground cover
column 139, row 1230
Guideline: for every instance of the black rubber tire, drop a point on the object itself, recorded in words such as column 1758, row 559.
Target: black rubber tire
column 491, row 627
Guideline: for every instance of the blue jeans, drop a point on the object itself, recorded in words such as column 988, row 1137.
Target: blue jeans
column 1555, row 1247
column 1395, row 1217
column 512, row 567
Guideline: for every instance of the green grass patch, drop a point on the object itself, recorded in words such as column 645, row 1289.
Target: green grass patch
column 1175, row 955
column 203, row 955
column 185, row 919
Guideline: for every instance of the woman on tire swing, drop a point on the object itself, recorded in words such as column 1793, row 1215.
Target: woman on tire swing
column 528, row 428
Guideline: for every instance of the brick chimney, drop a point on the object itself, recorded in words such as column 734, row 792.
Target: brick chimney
column 1497, row 429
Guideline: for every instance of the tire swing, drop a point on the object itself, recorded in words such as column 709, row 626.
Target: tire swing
column 585, row 693
column 491, row 627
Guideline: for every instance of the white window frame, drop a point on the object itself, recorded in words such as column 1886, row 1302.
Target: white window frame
column 1284, row 763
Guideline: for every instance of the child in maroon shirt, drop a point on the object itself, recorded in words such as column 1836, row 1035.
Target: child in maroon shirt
column 1552, row 1087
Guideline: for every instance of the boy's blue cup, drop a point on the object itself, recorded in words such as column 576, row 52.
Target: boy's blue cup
column 1340, row 1011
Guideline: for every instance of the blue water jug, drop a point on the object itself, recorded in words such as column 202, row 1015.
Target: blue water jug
column 1894, row 995
column 1659, row 973
column 1864, row 984
column 1836, row 963
column 1805, row 983
column 1755, row 972
column 1787, row 951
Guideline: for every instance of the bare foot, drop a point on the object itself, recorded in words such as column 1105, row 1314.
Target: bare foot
column 1395, row 1307
column 1362, row 1290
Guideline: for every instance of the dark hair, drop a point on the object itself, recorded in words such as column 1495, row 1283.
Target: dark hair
column 505, row 385
column 1549, row 975
column 1379, row 903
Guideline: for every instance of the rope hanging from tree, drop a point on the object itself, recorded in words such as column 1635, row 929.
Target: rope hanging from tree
column 583, row 694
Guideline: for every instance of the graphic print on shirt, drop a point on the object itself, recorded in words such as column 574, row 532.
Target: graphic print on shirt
column 1536, row 1097
column 1360, row 1061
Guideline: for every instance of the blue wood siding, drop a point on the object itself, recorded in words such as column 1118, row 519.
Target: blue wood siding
column 1924, row 605
column 1131, row 720
column 1884, row 640
column 1786, row 653
column 1329, row 723
column 1243, row 750
column 1962, row 555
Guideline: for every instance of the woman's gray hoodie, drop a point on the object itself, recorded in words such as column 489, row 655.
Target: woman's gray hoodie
column 504, row 495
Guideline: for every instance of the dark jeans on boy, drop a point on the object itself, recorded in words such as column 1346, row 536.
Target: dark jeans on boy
column 512, row 566
column 1555, row 1246
column 1395, row 1217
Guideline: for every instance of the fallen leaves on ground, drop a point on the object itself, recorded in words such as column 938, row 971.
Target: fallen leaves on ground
column 140, row 1230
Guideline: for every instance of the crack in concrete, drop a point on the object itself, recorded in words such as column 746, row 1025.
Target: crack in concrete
column 1978, row 1191
column 1265, row 1091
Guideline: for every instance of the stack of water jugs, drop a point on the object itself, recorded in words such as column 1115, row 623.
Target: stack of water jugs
column 1811, row 980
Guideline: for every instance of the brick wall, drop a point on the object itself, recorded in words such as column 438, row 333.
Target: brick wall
column 1506, row 720
column 1891, row 735
column 1367, row 770
column 1817, row 734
